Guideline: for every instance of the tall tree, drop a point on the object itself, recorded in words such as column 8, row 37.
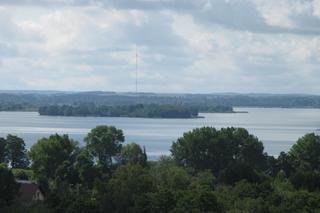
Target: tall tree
column 128, row 185
column 3, row 150
column 16, row 152
column 133, row 154
column 104, row 143
column 306, row 152
column 85, row 168
column 305, row 159
column 208, row 148
column 48, row 154
column 8, row 186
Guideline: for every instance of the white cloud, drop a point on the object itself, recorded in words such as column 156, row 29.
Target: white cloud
column 316, row 8
column 276, row 13
column 69, row 28
column 196, row 46
column 81, row 82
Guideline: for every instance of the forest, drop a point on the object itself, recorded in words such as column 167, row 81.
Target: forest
column 31, row 100
column 139, row 111
column 208, row 170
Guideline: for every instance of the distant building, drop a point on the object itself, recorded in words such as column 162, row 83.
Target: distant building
column 29, row 192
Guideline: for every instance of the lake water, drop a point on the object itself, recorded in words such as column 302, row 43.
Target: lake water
column 277, row 128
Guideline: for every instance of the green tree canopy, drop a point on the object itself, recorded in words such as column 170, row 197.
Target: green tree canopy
column 16, row 152
column 177, row 191
column 48, row 154
column 8, row 186
column 3, row 150
column 128, row 185
column 132, row 154
column 306, row 152
column 85, row 168
column 303, row 161
column 104, row 143
column 208, row 148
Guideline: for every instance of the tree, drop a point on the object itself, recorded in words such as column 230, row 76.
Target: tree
column 3, row 150
column 285, row 163
column 177, row 191
column 48, row 154
column 238, row 171
column 197, row 198
column 208, row 148
column 22, row 174
column 8, row 186
column 85, row 168
column 306, row 152
column 169, row 182
column 244, row 196
column 132, row 154
column 304, row 159
column 127, row 186
column 249, row 148
column 104, row 143
column 16, row 152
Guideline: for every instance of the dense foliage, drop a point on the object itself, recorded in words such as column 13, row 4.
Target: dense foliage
column 22, row 100
column 13, row 152
column 8, row 187
column 209, row 170
column 217, row 151
column 144, row 111
column 215, row 108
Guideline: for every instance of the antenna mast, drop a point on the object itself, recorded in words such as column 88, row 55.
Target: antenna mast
column 136, row 71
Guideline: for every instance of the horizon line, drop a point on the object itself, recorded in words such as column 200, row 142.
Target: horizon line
column 159, row 93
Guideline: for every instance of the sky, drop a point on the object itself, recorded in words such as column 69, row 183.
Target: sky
column 184, row 46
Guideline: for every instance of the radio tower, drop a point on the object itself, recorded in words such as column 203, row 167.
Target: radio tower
column 136, row 71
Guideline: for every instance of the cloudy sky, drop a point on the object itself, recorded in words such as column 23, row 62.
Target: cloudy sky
column 198, row 46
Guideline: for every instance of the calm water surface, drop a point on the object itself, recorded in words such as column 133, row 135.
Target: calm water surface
column 277, row 128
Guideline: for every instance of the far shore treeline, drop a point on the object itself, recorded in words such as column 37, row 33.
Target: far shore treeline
column 139, row 110
column 208, row 170
column 32, row 100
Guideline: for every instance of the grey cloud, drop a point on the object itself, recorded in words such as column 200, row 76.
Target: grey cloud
column 156, row 4
column 8, row 30
column 47, row 2
column 244, row 16
column 168, row 60
column 154, row 37
column 307, row 23
column 239, row 15
column 122, row 4
column 7, row 50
